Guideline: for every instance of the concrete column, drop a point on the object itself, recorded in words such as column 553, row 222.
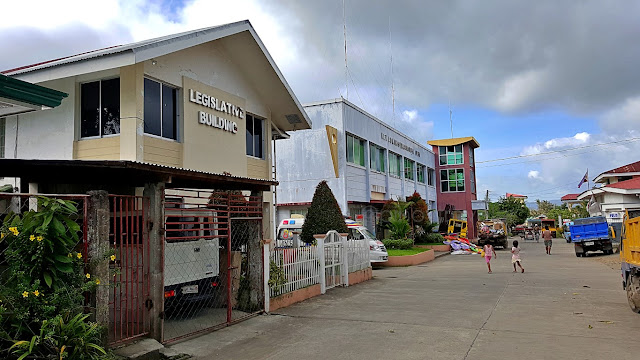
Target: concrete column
column 320, row 248
column 98, row 247
column 132, row 112
column 154, row 193
column 266, row 260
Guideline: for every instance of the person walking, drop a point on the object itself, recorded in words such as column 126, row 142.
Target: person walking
column 515, row 256
column 536, row 233
column 546, row 236
column 488, row 253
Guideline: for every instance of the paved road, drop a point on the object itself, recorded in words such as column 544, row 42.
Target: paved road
column 562, row 307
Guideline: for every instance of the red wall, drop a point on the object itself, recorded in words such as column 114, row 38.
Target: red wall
column 460, row 200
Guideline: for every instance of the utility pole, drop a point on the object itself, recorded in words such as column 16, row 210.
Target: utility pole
column 486, row 200
column 346, row 67
column 451, row 118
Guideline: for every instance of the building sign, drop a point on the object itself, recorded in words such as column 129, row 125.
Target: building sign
column 479, row 205
column 222, row 106
column 397, row 143
column 359, row 217
column 614, row 215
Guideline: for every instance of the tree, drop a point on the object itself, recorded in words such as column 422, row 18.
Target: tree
column 324, row 214
column 544, row 207
column 399, row 225
column 513, row 210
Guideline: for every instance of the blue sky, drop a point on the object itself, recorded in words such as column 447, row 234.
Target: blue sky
column 522, row 77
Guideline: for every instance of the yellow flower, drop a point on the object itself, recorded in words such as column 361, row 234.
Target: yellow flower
column 32, row 237
column 88, row 276
column 113, row 258
column 36, row 293
column 1, row 235
column 70, row 255
column 79, row 255
column 25, row 294
column 97, row 281
column 14, row 230
column 39, row 238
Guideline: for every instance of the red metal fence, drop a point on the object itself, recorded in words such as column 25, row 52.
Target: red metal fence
column 129, row 240
column 212, row 260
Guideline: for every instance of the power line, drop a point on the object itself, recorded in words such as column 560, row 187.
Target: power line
column 559, row 151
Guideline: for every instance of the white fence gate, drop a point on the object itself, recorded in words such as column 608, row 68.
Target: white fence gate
column 335, row 267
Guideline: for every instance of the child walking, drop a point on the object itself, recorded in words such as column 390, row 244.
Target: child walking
column 488, row 252
column 515, row 256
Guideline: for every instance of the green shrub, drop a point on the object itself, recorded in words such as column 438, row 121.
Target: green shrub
column 433, row 238
column 400, row 244
column 324, row 214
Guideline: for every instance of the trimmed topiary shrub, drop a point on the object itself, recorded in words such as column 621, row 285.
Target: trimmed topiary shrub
column 399, row 244
column 433, row 238
column 324, row 214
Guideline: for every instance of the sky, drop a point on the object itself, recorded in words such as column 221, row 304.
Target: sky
column 522, row 77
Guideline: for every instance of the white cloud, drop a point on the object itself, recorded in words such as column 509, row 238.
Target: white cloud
column 520, row 90
column 578, row 139
column 624, row 118
column 534, row 174
column 412, row 124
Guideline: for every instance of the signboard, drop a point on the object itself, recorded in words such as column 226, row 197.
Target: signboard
column 359, row 217
column 479, row 205
column 614, row 215
column 220, row 106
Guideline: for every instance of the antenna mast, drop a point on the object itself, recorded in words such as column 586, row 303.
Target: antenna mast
column 450, row 118
column 346, row 67
column 393, row 89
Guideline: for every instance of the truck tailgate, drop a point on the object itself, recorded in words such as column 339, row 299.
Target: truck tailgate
column 580, row 233
column 631, row 248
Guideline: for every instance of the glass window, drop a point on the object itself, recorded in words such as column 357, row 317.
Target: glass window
column 377, row 158
column 255, row 136
column 409, row 165
column 160, row 112
column 471, row 156
column 395, row 164
column 450, row 155
column 3, row 124
column 100, row 108
column 355, row 150
column 431, row 176
column 420, row 173
column 452, row 180
column 472, row 181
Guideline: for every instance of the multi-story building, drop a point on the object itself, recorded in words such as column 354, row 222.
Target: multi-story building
column 456, row 175
column 209, row 100
column 364, row 160
column 619, row 191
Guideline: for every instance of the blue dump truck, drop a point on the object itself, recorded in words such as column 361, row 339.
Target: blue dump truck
column 591, row 234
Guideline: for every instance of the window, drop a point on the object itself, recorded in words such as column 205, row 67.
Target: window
column 471, row 156
column 408, row 169
column 376, row 157
column 355, row 150
column 451, row 155
column 160, row 111
column 255, row 136
column 472, row 181
column 431, row 176
column 302, row 211
column 100, row 108
column 3, row 123
column 452, row 180
column 421, row 173
column 395, row 165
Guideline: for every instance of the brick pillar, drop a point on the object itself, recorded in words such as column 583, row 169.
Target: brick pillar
column 98, row 247
column 154, row 192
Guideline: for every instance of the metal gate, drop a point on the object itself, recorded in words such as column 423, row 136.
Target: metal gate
column 333, row 260
column 129, row 262
column 212, row 258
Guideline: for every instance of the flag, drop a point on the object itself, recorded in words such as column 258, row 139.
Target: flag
column 585, row 178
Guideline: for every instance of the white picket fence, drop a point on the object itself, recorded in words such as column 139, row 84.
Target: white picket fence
column 309, row 265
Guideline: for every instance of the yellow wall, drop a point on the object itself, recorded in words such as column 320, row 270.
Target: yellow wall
column 257, row 168
column 163, row 152
column 97, row 149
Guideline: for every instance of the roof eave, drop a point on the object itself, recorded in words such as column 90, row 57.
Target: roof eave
column 33, row 94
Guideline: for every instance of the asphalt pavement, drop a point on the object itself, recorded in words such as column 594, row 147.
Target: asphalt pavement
column 562, row 307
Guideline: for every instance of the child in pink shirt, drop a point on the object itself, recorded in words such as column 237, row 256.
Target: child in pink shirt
column 515, row 256
column 488, row 252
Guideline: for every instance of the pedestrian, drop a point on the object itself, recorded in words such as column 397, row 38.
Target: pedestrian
column 515, row 256
column 546, row 236
column 536, row 232
column 488, row 252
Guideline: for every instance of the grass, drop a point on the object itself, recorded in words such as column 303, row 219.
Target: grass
column 394, row 252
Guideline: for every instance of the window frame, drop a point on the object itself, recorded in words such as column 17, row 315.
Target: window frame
column 420, row 169
column 472, row 181
column 361, row 150
column 431, row 176
column 398, row 167
column 409, row 169
column 253, row 141
column 176, row 107
column 444, row 152
column 456, row 171
column 100, row 135
column 380, row 157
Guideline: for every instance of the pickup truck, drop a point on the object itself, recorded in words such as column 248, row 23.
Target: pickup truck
column 630, row 258
column 591, row 234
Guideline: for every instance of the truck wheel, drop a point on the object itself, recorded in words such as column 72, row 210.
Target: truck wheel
column 578, row 254
column 633, row 292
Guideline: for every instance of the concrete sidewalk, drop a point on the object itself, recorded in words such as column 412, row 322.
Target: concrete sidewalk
column 562, row 307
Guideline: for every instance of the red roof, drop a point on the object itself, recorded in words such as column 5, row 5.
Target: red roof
column 631, row 184
column 569, row 197
column 633, row 167
column 515, row 195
